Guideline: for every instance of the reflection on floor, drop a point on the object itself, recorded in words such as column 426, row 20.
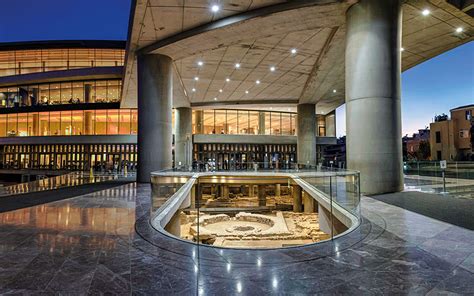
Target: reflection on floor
column 102, row 243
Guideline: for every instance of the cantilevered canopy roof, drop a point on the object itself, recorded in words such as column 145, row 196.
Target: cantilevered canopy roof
column 288, row 51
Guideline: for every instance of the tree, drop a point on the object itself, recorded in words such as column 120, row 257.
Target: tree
column 424, row 150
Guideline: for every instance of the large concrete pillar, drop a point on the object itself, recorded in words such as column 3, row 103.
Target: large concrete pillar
column 88, row 123
column 183, row 150
column 306, row 138
column 155, row 98
column 88, row 93
column 373, row 116
column 36, row 125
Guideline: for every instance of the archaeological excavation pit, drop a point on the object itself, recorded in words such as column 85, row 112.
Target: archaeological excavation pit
column 249, row 212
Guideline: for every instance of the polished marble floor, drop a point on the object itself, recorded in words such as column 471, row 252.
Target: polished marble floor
column 102, row 243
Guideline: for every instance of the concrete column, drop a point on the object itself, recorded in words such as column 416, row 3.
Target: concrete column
column 199, row 121
column 183, row 151
column 155, row 98
column 174, row 226
column 88, row 93
column 251, row 194
column 225, row 191
column 262, row 196
column 261, row 123
column 277, row 190
column 36, row 125
column 373, row 116
column 88, row 123
column 306, row 138
column 308, row 203
column 297, row 199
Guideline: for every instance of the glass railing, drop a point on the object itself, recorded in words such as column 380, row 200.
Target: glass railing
column 255, row 209
column 62, row 181
column 428, row 176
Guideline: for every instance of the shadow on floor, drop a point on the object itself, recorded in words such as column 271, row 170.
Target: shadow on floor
column 445, row 208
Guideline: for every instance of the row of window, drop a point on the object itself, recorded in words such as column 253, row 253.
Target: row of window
column 125, row 122
column 102, row 157
column 66, row 123
column 255, row 122
column 96, row 91
column 16, row 62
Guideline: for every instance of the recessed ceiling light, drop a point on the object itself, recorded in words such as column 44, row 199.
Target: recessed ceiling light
column 293, row 50
column 425, row 12
column 220, row 90
column 257, row 82
column 272, row 69
column 200, row 63
column 215, row 99
column 227, row 79
column 196, row 78
column 246, row 91
column 193, row 90
column 215, row 8
column 459, row 30
column 402, row 49
column 237, row 65
column 334, row 91
column 271, row 108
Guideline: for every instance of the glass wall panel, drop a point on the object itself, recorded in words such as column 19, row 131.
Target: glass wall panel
column 78, row 92
column 66, row 93
column 55, row 123
column 77, row 122
column 12, row 125
column 3, row 125
column 286, row 124
column 113, row 91
column 44, row 94
column 124, row 122
column 101, row 122
column 243, row 118
column 209, row 122
column 220, row 121
column 66, row 128
column 22, row 124
column 12, row 97
column 276, row 123
column 268, row 126
column 231, row 124
column 253, row 122
column 112, row 122
column 3, row 97
column 134, row 121
column 44, row 124
column 54, row 94
column 101, row 92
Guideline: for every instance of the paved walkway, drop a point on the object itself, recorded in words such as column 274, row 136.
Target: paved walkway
column 91, row 244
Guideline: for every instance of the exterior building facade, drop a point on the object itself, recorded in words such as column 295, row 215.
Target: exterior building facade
column 451, row 139
column 60, row 110
column 413, row 144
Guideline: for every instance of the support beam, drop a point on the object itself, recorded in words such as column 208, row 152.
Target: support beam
column 155, row 97
column 308, row 203
column 277, row 190
column 297, row 199
column 373, row 116
column 183, row 149
column 306, row 138
column 262, row 195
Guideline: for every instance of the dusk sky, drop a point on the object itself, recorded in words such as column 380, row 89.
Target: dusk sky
column 433, row 87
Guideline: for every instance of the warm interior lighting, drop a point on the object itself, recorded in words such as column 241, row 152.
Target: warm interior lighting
column 220, row 90
column 227, row 79
column 272, row 69
column 215, row 8
column 237, row 65
column 200, row 63
column 293, row 50
column 257, row 82
column 215, row 99
column 334, row 91
column 196, row 78
column 425, row 12
column 193, row 90
column 459, row 30
column 246, row 91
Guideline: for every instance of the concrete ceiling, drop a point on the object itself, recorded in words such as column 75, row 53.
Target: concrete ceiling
column 260, row 36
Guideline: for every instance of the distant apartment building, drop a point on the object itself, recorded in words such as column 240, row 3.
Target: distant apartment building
column 451, row 139
column 413, row 144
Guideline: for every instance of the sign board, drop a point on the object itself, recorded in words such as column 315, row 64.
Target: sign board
column 443, row 165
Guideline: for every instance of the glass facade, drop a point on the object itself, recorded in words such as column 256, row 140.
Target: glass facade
column 247, row 122
column 75, row 92
column 67, row 123
column 16, row 62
